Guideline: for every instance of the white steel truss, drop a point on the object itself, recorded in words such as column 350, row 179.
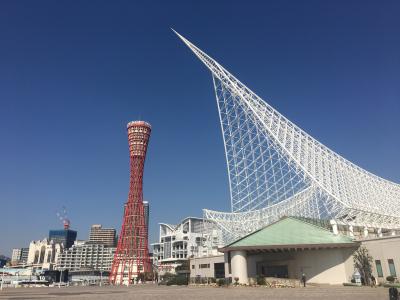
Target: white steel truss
column 276, row 169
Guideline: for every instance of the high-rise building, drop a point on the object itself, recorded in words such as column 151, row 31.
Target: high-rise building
column 16, row 255
column 86, row 256
column 3, row 260
column 24, row 255
column 99, row 235
column 64, row 236
column 132, row 254
column 146, row 207
column 19, row 255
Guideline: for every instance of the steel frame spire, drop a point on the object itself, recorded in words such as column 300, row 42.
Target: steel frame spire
column 275, row 168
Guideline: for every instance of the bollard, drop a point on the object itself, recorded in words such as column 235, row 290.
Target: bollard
column 393, row 293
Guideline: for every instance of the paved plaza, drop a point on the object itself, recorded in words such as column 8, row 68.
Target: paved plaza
column 151, row 291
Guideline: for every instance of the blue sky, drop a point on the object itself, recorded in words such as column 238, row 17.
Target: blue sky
column 73, row 73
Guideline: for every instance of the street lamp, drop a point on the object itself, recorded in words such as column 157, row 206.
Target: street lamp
column 17, row 273
column 101, row 276
column 59, row 283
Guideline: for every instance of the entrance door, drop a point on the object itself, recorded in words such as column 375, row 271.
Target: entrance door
column 219, row 270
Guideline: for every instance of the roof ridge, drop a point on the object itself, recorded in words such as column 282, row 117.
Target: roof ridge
column 254, row 232
column 312, row 224
column 297, row 220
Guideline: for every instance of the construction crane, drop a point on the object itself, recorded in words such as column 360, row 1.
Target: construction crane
column 62, row 216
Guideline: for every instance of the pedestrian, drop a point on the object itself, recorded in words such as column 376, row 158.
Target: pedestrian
column 393, row 293
column 303, row 279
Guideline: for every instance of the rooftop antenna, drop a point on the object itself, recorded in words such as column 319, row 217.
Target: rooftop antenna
column 62, row 216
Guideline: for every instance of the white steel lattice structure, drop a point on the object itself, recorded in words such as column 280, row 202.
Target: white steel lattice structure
column 277, row 169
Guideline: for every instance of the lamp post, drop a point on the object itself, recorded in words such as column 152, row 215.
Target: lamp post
column 17, row 273
column 59, row 283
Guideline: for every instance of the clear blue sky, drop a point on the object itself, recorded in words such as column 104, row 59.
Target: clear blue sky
column 73, row 73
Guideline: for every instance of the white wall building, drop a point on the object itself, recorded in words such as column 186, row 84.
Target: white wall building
column 84, row 256
column 385, row 252
column 19, row 256
column 178, row 243
column 16, row 254
column 43, row 254
column 322, row 250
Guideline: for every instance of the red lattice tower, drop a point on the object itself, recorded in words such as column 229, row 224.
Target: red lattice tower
column 132, row 255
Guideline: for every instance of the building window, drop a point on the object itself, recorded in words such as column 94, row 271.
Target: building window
column 42, row 253
column 192, row 266
column 219, row 270
column 379, row 268
column 229, row 263
column 392, row 269
column 36, row 260
column 204, row 266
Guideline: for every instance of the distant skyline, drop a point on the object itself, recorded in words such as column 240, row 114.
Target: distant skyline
column 72, row 75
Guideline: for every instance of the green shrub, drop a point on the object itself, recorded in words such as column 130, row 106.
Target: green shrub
column 351, row 284
column 390, row 278
column 183, row 267
column 212, row 280
column 396, row 285
column 167, row 276
column 221, row 282
column 261, row 280
column 177, row 280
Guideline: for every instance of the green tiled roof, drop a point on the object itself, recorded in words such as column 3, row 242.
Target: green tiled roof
column 291, row 231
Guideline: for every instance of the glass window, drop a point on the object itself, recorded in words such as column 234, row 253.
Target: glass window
column 392, row 269
column 204, row 266
column 379, row 268
column 229, row 263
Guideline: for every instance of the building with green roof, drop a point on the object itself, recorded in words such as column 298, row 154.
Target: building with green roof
column 289, row 248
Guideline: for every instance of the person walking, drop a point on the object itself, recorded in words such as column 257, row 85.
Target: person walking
column 303, row 279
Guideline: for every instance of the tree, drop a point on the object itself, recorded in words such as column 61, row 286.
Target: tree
column 184, row 266
column 363, row 263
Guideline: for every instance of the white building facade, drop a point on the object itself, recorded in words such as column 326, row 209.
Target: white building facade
column 19, row 256
column 321, row 249
column 86, row 256
column 178, row 243
column 43, row 254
